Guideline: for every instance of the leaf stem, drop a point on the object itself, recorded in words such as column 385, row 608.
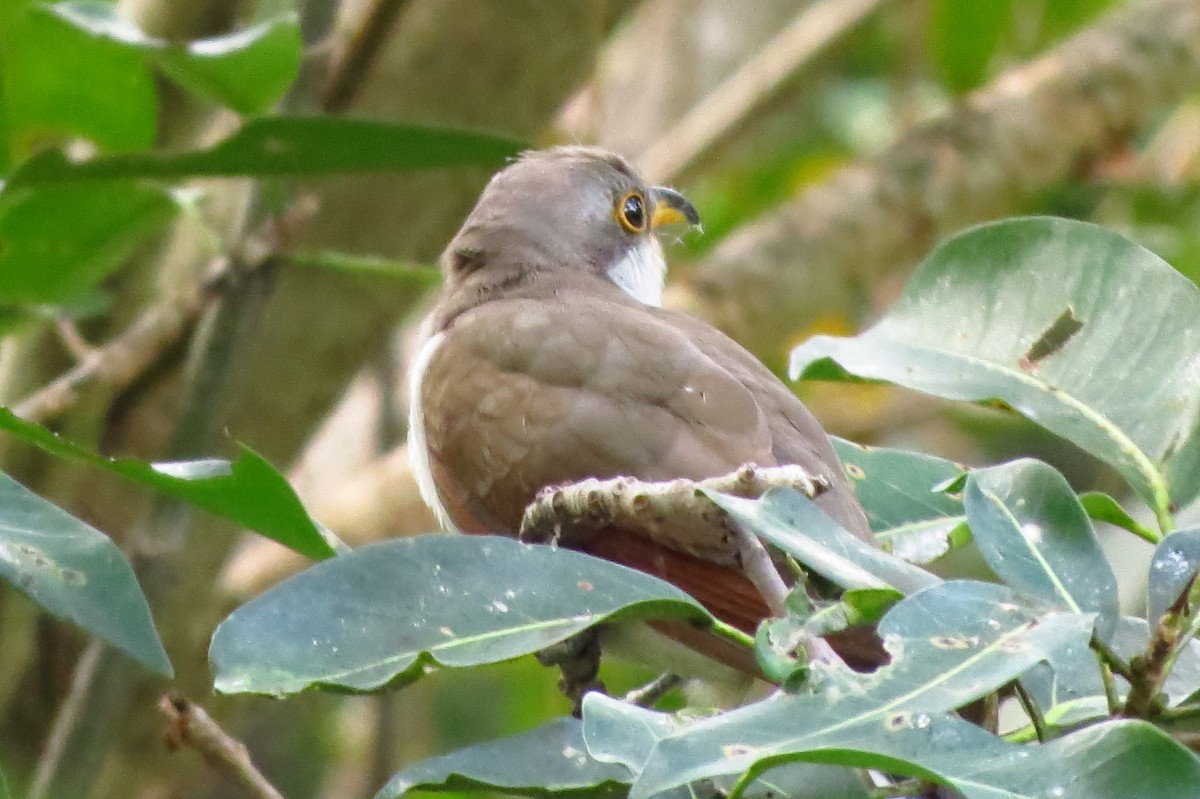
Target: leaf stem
column 732, row 633
column 1032, row 710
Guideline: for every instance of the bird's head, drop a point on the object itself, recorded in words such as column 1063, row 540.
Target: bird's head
column 570, row 208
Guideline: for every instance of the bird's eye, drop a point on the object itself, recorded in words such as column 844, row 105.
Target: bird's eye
column 631, row 212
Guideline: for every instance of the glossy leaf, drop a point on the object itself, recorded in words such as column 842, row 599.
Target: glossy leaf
column 1172, row 569
column 381, row 614
column 896, row 489
column 282, row 146
column 248, row 491
column 60, row 82
column 618, row 732
column 795, row 524
column 74, row 571
column 247, row 70
column 1034, row 534
column 58, row 242
column 1124, row 387
column 950, row 644
column 550, row 760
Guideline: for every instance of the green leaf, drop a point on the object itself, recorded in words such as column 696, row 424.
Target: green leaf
column 1172, row 570
column 247, row 70
column 60, row 82
column 1103, row 508
column 4, row 793
column 896, row 489
column 963, row 37
column 58, row 242
column 795, row 524
column 380, row 614
column 248, row 491
column 74, row 571
column 1124, row 387
column 550, row 760
column 1034, row 534
column 283, row 146
column 950, row 644
column 619, row 732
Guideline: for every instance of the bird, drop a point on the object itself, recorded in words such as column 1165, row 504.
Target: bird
column 548, row 358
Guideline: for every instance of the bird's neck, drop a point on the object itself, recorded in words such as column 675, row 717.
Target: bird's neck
column 641, row 272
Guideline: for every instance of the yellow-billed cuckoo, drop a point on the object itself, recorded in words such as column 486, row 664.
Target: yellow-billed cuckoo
column 547, row 360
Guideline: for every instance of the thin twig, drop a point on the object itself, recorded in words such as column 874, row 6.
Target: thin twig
column 1109, row 658
column 1030, row 706
column 121, row 359
column 649, row 694
column 726, row 110
column 347, row 75
column 66, row 719
column 189, row 725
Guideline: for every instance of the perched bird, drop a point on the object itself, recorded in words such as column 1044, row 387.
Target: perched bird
column 548, row 359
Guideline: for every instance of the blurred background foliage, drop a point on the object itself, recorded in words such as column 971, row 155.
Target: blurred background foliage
column 827, row 143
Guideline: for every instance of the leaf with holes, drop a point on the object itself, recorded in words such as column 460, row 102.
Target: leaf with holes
column 74, row 571
column 382, row 614
column 1032, row 531
column 896, row 489
column 1125, row 386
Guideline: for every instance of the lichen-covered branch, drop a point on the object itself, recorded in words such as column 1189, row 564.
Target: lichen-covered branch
column 1035, row 125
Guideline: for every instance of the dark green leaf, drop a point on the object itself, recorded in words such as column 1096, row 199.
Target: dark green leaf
column 75, row 572
column 379, row 615
column 795, row 524
column 950, row 644
column 1103, row 508
column 1032, row 531
column 59, row 82
column 896, row 489
column 247, row 70
column 58, row 242
column 1123, row 388
column 548, row 761
column 288, row 147
column 963, row 37
column 248, row 491
column 1172, row 570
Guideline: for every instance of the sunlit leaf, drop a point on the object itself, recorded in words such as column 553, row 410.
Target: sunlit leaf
column 58, row 242
column 895, row 487
column 381, row 614
column 248, row 491
column 282, row 146
column 550, row 760
column 795, row 524
column 247, row 70
column 1032, row 531
column 1124, row 387
column 59, row 82
column 963, row 38
column 1103, row 508
column 74, row 571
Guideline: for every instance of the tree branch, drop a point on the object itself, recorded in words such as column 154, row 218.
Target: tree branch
column 1032, row 127
column 190, row 725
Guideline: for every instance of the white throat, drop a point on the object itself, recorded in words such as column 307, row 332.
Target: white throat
column 642, row 272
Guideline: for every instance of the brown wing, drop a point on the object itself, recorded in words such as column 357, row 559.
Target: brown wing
column 526, row 393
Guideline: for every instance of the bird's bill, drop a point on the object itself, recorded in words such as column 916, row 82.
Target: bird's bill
column 671, row 207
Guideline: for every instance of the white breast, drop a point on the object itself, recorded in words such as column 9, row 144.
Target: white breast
column 418, row 450
column 642, row 272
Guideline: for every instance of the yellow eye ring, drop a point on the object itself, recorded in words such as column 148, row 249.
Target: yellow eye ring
column 631, row 212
